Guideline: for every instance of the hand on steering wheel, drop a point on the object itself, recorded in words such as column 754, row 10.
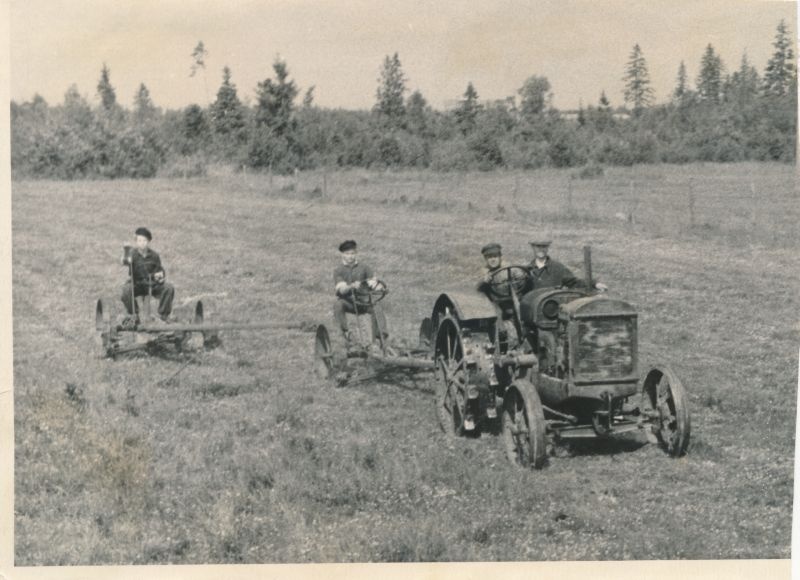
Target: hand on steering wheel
column 503, row 279
column 363, row 295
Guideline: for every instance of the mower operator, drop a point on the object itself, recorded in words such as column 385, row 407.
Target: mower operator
column 549, row 273
column 348, row 278
column 148, row 276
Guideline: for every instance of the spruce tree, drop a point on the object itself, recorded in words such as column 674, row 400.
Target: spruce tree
column 468, row 109
column 743, row 85
column 709, row 80
column 143, row 108
column 275, row 106
column 682, row 91
column 390, row 105
column 227, row 114
column 108, row 97
column 638, row 91
column 779, row 76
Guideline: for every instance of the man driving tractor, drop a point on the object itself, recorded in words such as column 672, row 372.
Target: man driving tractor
column 493, row 283
column 349, row 278
column 498, row 277
column 148, row 276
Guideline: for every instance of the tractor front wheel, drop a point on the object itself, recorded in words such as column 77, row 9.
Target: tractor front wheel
column 523, row 426
column 666, row 404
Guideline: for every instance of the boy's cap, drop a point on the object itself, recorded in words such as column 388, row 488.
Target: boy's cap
column 144, row 232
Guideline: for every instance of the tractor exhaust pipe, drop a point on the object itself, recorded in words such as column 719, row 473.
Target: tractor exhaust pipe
column 587, row 266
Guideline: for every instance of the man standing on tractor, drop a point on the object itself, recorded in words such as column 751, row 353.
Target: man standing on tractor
column 349, row 278
column 549, row 273
column 147, row 275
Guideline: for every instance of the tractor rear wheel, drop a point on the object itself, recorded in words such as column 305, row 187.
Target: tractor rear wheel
column 523, row 426
column 452, row 378
column 665, row 401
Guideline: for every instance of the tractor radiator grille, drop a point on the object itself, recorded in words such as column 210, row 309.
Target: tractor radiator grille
column 605, row 349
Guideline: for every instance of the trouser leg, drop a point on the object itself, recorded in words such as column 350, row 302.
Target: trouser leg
column 340, row 309
column 165, row 293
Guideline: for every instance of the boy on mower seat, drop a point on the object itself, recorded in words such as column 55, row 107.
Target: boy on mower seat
column 148, row 276
column 348, row 278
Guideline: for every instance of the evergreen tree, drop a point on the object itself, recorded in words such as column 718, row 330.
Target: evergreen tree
column 194, row 129
column 743, row 85
column 390, row 105
column 638, row 91
column 276, row 101
column 108, row 97
column 709, row 80
column 143, row 108
column 467, row 110
column 534, row 97
column 274, row 140
column 779, row 76
column 227, row 114
column 682, row 92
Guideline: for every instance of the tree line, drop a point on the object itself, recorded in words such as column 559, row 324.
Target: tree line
column 721, row 116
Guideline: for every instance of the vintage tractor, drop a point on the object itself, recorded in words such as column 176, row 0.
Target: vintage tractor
column 558, row 363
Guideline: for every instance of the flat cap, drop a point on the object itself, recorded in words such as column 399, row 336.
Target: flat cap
column 493, row 249
column 347, row 245
column 541, row 243
column 144, row 232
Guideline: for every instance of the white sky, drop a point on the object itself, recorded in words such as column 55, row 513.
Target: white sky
column 581, row 46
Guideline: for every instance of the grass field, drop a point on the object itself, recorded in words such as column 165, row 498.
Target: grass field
column 247, row 457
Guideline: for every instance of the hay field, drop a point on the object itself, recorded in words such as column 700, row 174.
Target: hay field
column 246, row 457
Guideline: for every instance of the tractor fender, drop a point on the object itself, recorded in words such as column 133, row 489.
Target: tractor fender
column 462, row 306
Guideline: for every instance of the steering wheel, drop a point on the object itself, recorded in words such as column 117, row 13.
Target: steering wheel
column 503, row 279
column 366, row 296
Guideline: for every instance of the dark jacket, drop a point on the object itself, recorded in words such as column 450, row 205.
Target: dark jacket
column 349, row 274
column 145, row 266
column 553, row 275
